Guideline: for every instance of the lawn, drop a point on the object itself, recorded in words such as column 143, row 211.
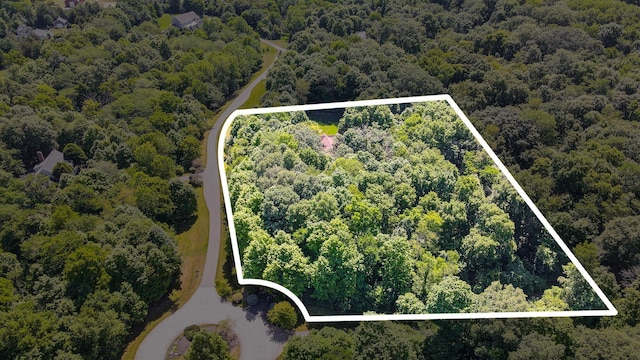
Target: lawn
column 329, row 129
column 193, row 248
column 164, row 21
column 282, row 43
column 256, row 94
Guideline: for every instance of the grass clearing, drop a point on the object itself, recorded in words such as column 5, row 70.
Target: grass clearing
column 256, row 94
column 192, row 245
column 268, row 58
column 222, row 254
column 282, row 43
column 329, row 129
column 164, row 21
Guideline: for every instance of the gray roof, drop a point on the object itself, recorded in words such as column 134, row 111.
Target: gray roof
column 42, row 34
column 23, row 29
column 187, row 19
column 61, row 20
column 46, row 167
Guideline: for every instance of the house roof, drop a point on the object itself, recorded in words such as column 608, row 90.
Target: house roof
column 60, row 19
column 42, row 34
column 187, row 19
column 23, row 29
column 72, row 3
column 327, row 142
column 46, row 167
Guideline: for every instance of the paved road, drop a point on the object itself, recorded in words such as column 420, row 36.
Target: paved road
column 257, row 339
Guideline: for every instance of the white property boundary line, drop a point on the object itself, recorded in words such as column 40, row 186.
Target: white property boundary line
column 611, row 310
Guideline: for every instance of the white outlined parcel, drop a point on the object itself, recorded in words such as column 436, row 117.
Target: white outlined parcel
column 609, row 311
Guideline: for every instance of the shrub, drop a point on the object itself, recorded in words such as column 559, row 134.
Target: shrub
column 191, row 330
column 283, row 315
column 223, row 287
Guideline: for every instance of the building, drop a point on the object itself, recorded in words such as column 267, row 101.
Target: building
column 188, row 21
column 46, row 165
column 41, row 34
column 60, row 23
column 72, row 3
column 327, row 142
column 24, row 31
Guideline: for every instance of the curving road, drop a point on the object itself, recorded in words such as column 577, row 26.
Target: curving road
column 257, row 339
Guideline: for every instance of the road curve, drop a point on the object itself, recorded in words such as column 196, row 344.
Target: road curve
column 258, row 340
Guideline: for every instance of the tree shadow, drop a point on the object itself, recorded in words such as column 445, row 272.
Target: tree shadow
column 156, row 310
column 279, row 335
column 185, row 225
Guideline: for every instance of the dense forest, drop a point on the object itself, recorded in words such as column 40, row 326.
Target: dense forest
column 85, row 251
column 403, row 213
column 552, row 85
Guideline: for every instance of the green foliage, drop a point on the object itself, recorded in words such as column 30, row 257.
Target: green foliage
column 276, row 202
column 381, row 116
column 620, row 243
column 326, row 343
column 28, row 135
column 85, row 270
column 283, row 315
column 122, row 98
column 7, row 293
column 537, row 346
column 387, row 230
column 336, row 274
column 223, row 288
column 74, row 153
column 396, row 273
column 498, row 297
column 27, row 331
column 386, row 340
column 52, row 252
column 287, row 265
column 174, row 296
column 206, row 345
column 410, row 304
column 190, row 331
column 578, row 293
column 364, row 217
column 451, row 295
column 551, row 87
column 609, row 343
column 183, row 196
column 61, row 168
column 153, row 197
